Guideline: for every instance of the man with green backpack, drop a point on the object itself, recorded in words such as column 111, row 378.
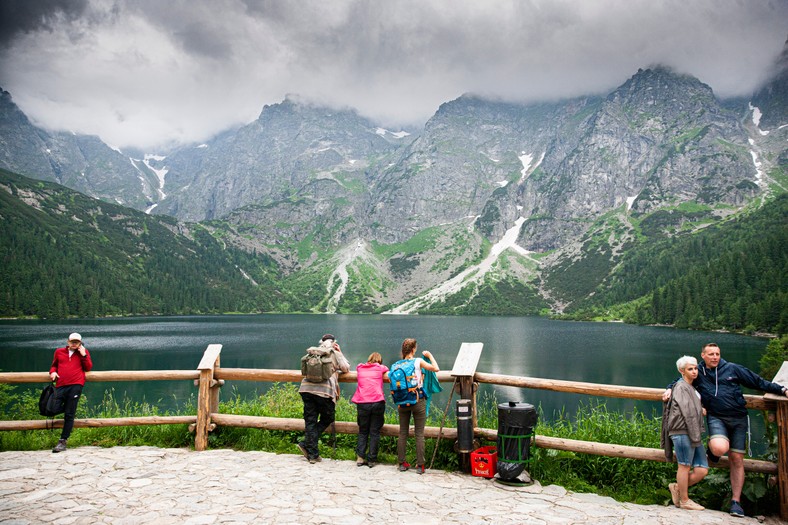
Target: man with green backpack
column 319, row 390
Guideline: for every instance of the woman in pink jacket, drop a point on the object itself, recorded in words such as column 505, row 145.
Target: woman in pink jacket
column 371, row 406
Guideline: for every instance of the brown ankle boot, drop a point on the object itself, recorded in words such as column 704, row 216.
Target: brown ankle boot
column 61, row 446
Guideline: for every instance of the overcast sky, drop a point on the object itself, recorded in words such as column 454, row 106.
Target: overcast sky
column 147, row 73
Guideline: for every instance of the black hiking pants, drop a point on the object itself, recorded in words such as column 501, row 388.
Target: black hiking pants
column 370, row 421
column 67, row 398
column 318, row 415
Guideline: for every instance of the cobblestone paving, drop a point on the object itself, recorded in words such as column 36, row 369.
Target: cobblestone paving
column 131, row 485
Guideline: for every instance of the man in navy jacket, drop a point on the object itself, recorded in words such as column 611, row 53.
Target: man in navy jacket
column 719, row 385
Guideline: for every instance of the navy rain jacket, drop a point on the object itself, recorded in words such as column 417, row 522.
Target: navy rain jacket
column 720, row 388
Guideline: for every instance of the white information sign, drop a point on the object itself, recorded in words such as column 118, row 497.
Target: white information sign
column 467, row 359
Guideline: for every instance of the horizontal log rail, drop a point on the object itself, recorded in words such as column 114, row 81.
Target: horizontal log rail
column 104, row 375
column 597, row 389
column 41, row 424
column 291, row 376
column 556, row 385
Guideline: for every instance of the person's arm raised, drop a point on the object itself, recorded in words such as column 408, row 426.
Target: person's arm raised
column 432, row 366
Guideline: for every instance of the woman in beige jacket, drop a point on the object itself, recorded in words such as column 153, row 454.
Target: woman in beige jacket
column 684, row 425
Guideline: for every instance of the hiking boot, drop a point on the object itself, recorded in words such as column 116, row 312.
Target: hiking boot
column 302, row 448
column 674, row 493
column 691, row 505
column 404, row 466
column 372, row 464
column 420, row 469
column 61, row 446
column 736, row 509
column 360, row 462
column 713, row 460
column 316, row 459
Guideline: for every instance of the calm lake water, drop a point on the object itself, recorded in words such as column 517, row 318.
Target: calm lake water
column 612, row 353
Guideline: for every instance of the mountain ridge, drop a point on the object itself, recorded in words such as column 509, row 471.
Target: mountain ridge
column 361, row 219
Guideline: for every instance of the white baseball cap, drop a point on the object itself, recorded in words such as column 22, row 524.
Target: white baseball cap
column 75, row 337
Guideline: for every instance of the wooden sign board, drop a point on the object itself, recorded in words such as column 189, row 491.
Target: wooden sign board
column 467, row 359
column 209, row 357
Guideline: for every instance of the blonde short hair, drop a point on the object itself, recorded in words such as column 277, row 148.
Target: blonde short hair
column 685, row 360
column 375, row 357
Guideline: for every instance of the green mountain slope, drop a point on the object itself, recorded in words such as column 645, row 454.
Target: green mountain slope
column 66, row 254
column 732, row 275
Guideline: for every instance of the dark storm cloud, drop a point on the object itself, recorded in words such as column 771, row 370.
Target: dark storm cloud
column 199, row 28
column 26, row 16
column 182, row 70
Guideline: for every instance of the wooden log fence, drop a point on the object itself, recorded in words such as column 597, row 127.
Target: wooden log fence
column 209, row 377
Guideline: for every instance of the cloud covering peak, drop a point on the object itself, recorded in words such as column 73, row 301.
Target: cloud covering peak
column 147, row 73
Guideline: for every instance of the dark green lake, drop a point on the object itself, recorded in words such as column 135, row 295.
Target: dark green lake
column 612, row 353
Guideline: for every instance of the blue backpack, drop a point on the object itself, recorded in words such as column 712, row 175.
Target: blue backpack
column 404, row 384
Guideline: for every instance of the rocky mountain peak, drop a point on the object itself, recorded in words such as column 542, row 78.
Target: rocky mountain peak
column 661, row 94
column 664, row 81
column 280, row 155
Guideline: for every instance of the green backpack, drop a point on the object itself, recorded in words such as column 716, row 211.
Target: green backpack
column 318, row 364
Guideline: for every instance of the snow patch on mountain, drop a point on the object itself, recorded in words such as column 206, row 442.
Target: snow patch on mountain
column 346, row 257
column 470, row 275
column 160, row 173
column 759, row 174
column 526, row 160
column 247, row 276
column 756, row 119
column 396, row 134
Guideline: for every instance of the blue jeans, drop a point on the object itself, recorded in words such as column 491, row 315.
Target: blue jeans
column 732, row 429
column 370, row 421
column 686, row 454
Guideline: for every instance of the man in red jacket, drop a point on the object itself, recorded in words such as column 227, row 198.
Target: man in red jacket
column 68, row 369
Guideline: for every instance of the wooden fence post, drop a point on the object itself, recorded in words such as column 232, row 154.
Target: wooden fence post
column 216, row 385
column 782, row 439
column 204, row 399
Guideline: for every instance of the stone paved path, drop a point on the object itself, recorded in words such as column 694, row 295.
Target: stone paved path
column 131, row 485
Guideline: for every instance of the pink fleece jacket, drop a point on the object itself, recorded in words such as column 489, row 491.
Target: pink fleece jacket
column 370, row 383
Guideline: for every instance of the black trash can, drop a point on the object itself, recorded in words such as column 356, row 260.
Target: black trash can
column 516, row 423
